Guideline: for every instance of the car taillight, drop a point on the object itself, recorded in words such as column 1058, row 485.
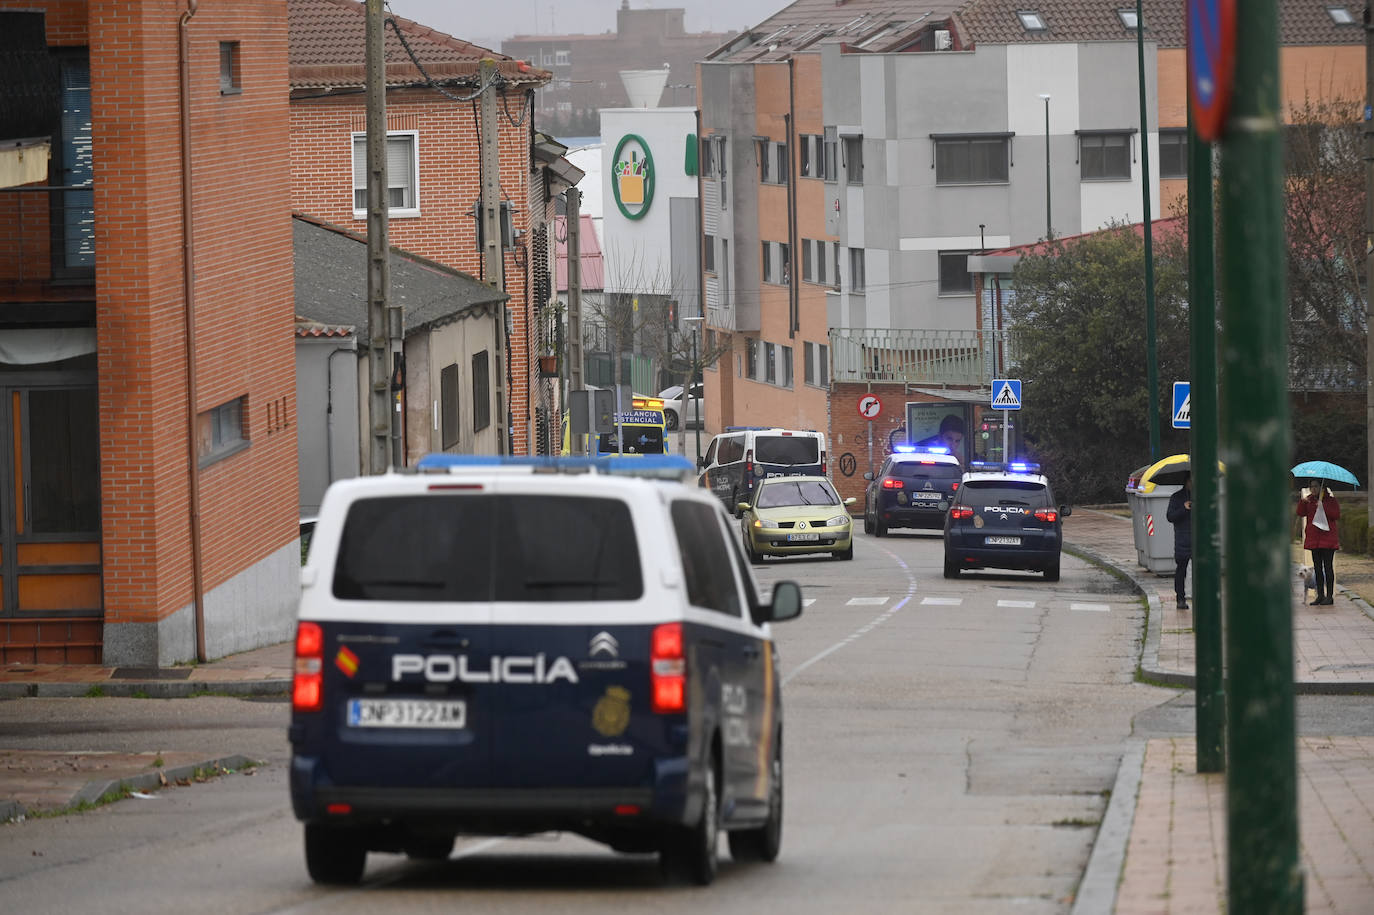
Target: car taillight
column 955, row 487
column 890, row 483
column 749, row 463
column 307, row 687
column 668, row 669
column 822, row 463
column 1046, row 514
column 961, row 511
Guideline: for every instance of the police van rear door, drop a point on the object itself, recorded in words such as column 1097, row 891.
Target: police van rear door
column 575, row 610
column 407, row 640
column 787, row 454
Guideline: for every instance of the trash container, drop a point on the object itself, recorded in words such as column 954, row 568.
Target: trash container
column 1137, row 515
column 1149, row 501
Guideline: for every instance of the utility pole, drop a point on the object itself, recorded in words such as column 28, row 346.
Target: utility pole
column 380, row 416
column 1369, row 252
column 1264, row 870
column 574, row 226
column 1151, row 352
column 493, row 266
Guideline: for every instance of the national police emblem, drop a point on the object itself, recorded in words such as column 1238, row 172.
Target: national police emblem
column 611, row 716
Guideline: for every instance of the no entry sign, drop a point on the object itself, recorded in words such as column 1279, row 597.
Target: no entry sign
column 1211, row 64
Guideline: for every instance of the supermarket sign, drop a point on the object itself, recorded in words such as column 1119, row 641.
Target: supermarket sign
column 632, row 176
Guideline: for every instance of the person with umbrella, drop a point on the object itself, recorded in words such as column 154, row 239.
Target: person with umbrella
column 1320, row 510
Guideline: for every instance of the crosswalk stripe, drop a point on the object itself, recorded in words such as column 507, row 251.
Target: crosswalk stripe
column 1027, row 604
column 808, row 601
column 866, row 601
column 943, row 601
column 1096, row 608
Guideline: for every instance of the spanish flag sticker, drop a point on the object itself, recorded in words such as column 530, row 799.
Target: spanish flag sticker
column 346, row 661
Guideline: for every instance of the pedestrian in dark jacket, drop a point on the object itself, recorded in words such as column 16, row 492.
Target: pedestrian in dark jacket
column 1180, row 515
column 1320, row 509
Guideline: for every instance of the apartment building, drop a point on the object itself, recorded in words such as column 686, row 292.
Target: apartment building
column 149, row 514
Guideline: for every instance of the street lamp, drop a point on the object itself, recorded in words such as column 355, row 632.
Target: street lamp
column 692, row 380
column 1049, row 230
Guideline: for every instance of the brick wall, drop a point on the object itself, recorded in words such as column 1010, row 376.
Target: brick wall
column 243, row 296
column 449, row 185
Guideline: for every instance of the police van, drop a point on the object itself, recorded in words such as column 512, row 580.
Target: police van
column 512, row 646
column 740, row 456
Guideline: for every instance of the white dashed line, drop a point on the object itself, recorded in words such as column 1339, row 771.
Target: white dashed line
column 942, row 601
column 1025, row 604
column 1095, row 608
column 866, row 601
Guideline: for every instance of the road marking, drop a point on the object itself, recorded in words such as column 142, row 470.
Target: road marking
column 870, row 626
column 942, row 601
column 1026, row 604
column 808, row 601
column 867, row 601
column 1095, row 608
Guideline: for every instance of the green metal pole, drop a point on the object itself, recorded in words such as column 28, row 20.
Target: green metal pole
column 1263, row 872
column 1151, row 351
column 1202, row 313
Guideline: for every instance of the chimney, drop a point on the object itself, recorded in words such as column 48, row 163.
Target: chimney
column 644, row 86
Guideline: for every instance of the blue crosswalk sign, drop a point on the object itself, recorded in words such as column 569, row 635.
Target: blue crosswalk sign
column 1183, row 412
column 1006, row 393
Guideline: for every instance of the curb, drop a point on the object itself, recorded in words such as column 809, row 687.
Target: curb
column 92, row 792
column 1097, row 890
column 145, row 689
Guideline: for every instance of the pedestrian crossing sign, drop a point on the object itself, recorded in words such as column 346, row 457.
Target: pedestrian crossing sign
column 1182, row 410
column 1006, row 394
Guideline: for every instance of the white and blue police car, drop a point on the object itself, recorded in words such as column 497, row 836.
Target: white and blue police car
column 492, row 646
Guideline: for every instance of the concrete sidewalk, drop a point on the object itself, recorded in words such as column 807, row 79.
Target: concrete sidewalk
column 1161, row 848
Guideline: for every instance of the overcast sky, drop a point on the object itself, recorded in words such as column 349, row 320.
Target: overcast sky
column 502, row 19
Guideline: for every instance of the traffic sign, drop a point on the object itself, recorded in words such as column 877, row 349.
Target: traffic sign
column 1211, row 64
column 870, row 406
column 1006, row 393
column 1183, row 412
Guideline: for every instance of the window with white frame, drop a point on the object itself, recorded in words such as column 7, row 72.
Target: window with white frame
column 764, row 161
column 972, row 158
column 816, row 366
column 562, row 58
column 831, row 141
column 230, row 79
column 220, row 431
column 1104, row 155
column 781, row 172
column 954, row 276
column 770, row 363
column 402, row 173
column 751, row 357
column 835, row 261
column 812, row 153
column 856, row 269
column 814, row 257
column 708, row 151
column 776, row 262
column 785, row 366
column 708, row 253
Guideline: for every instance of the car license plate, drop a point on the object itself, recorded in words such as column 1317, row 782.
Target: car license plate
column 930, row 496
column 800, row 538
column 1003, row 541
column 407, row 713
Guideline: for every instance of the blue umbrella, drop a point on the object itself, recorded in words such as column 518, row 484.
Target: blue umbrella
column 1325, row 470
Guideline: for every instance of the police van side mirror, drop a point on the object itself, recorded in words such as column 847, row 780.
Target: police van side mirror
column 787, row 602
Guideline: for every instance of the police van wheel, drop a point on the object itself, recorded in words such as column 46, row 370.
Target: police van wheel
column 691, row 854
column 333, row 855
column 764, row 843
column 951, row 570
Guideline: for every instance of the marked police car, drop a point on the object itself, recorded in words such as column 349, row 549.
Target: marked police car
column 511, row 646
column 913, row 488
column 1004, row 517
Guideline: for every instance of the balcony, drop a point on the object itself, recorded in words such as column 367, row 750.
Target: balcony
column 47, row 243
column 923, row 357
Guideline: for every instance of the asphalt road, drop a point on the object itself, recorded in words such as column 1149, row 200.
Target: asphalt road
column 949, row 747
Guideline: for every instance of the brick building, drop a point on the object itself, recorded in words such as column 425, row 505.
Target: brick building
column 149, row 507
column 434, row 166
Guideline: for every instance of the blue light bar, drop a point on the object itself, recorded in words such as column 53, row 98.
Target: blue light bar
column 904, row 449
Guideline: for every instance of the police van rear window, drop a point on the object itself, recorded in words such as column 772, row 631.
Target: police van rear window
column 1005, row 492
column 488, row 547
column 787, row 449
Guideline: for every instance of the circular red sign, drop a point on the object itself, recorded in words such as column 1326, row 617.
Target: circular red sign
column 1211, row 64
column 870, row 406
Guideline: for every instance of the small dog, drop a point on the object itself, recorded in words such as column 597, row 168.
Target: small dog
column 1308, row 579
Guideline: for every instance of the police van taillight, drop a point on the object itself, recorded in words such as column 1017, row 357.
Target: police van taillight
column 307, row 686
column 668, row 669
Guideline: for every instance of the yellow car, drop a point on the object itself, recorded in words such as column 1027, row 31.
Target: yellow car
column 787, row 516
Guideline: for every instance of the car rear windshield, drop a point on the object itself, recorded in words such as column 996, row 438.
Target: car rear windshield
column 1005, row 492
column 915, row 470
column 784, row 493
column 787, row 449
column 484, row 547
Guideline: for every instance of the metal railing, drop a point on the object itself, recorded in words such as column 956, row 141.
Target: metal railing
column 915, row 356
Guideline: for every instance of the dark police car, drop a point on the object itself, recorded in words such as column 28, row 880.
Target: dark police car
column 512, row 646
column 1004, row 517
column 913, row 488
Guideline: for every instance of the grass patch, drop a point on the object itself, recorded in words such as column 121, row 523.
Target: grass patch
column 109, row 797
column 95, row 692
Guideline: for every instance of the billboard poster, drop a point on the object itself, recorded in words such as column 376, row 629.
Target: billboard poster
column 940, row 424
